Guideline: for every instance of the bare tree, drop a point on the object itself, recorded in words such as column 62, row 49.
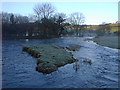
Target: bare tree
column 6, row 17
column 32, row 18
column 77, row 19
column 21, row 19
column 10, row 18
column 44, row 10
column 57, row 15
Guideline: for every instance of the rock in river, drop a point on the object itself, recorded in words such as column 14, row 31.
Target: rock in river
column 73, row 47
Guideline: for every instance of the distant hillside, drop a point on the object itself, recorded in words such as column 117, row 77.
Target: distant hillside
column 112, row 27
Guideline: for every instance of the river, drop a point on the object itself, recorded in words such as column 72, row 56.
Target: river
column 18, row 67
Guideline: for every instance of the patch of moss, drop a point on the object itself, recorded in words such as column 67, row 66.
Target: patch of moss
column 46, row 67
column 49, row 57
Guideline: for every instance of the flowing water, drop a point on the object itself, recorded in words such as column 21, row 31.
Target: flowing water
column 19, row 67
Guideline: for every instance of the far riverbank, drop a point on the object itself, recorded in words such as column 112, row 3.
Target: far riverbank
column 109, row 41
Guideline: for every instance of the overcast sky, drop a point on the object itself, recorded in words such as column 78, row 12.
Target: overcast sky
column 95, row 12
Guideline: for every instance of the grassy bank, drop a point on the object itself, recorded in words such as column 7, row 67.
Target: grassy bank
column 109, row 41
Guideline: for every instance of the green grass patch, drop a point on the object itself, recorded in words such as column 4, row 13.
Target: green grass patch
column 109, row 41
column 49, row 57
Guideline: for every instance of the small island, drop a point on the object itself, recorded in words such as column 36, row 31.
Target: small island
column 49, row 57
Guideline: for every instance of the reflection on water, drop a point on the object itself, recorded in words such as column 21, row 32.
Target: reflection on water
column 19, row 67
column 26, row 40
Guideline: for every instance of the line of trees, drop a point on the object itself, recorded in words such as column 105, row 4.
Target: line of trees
column 10, row 18
column 46, row 23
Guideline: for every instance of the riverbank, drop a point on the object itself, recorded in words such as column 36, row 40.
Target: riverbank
column 28, row 37
column 109, row 41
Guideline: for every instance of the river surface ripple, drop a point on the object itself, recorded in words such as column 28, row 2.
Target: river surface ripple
column 19, row 67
